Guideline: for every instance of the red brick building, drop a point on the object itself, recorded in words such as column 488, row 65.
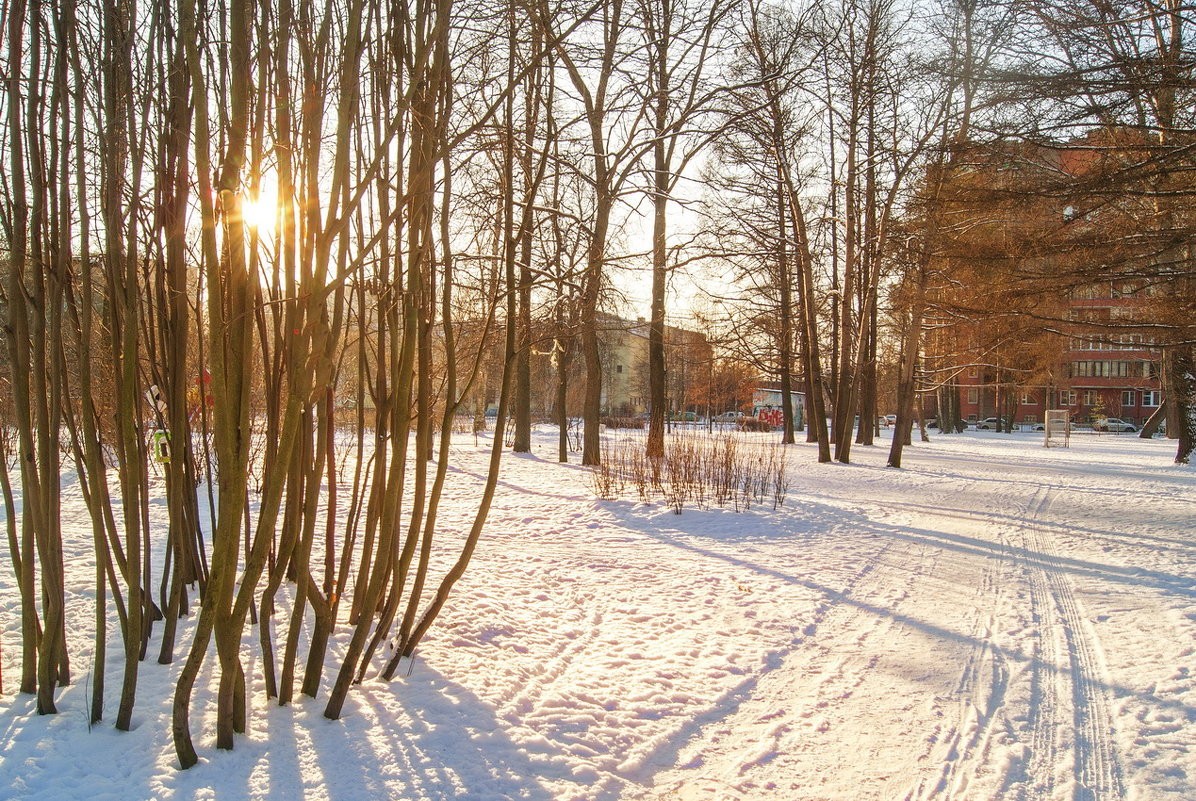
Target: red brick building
column 1105, row 373
column 1031, row 324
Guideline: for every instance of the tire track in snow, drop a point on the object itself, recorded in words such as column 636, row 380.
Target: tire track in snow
column 1097, row 773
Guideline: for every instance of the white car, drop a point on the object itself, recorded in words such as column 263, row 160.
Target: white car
column 1113, row 424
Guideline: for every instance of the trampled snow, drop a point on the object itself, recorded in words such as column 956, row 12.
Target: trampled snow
column 995, row 621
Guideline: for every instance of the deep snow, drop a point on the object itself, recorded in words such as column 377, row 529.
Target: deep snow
column 994, row 621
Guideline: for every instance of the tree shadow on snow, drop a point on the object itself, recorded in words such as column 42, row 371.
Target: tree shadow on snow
column 1074, row 527
column 1163, row 475
column 849, row 521
column 422, row 737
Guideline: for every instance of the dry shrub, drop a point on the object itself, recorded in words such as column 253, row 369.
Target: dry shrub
column 723, row 470
column 573, row 434
column 607, row 477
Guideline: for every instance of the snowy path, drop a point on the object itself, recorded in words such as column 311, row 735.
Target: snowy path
column 964, row 663
column 994, row 622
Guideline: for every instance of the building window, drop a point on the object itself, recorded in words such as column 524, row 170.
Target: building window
column 1067, row 397
column 1150, row 397
column 1091, row 396
column 1028, row 399
column 972, row 418
column 1108, row 369
column 1127, row 397
column 973, row 395
column 1030, row 418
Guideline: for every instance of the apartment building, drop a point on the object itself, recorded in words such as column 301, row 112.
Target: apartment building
column 624, row 346
column 1035, row 326
column 1103, row 372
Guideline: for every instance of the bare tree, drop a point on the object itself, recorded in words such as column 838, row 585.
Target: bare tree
column 613, row 124
column 766, row 138
column 682, row 41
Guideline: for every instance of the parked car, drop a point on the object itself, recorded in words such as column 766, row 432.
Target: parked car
column 887, row 420
column 991, row 424
column 685, row 417
column 1113, row 424
column 728, row 417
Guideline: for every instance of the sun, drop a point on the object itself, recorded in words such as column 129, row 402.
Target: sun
column 260, row 213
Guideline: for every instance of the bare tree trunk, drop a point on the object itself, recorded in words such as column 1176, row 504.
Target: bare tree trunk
column 35, row 300
column 785, row 335
column 1181, row 398
column 564, row 359
column 661, row 183
column 906, row 386
column 523, row 380
column 591, row 411
column 426, row 138
column 230, row 318
column 181, row 481
column 1154, row 422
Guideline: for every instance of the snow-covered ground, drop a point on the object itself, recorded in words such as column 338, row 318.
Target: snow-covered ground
column 995, row 621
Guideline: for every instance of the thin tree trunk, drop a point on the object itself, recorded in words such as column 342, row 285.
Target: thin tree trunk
column 1181, row 398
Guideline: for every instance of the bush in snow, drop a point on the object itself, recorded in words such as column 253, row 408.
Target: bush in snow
column 699, row 471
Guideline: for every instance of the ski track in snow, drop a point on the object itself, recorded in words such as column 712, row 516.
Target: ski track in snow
column 1097, row 774
column 1067, row 719
column 996, row 622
